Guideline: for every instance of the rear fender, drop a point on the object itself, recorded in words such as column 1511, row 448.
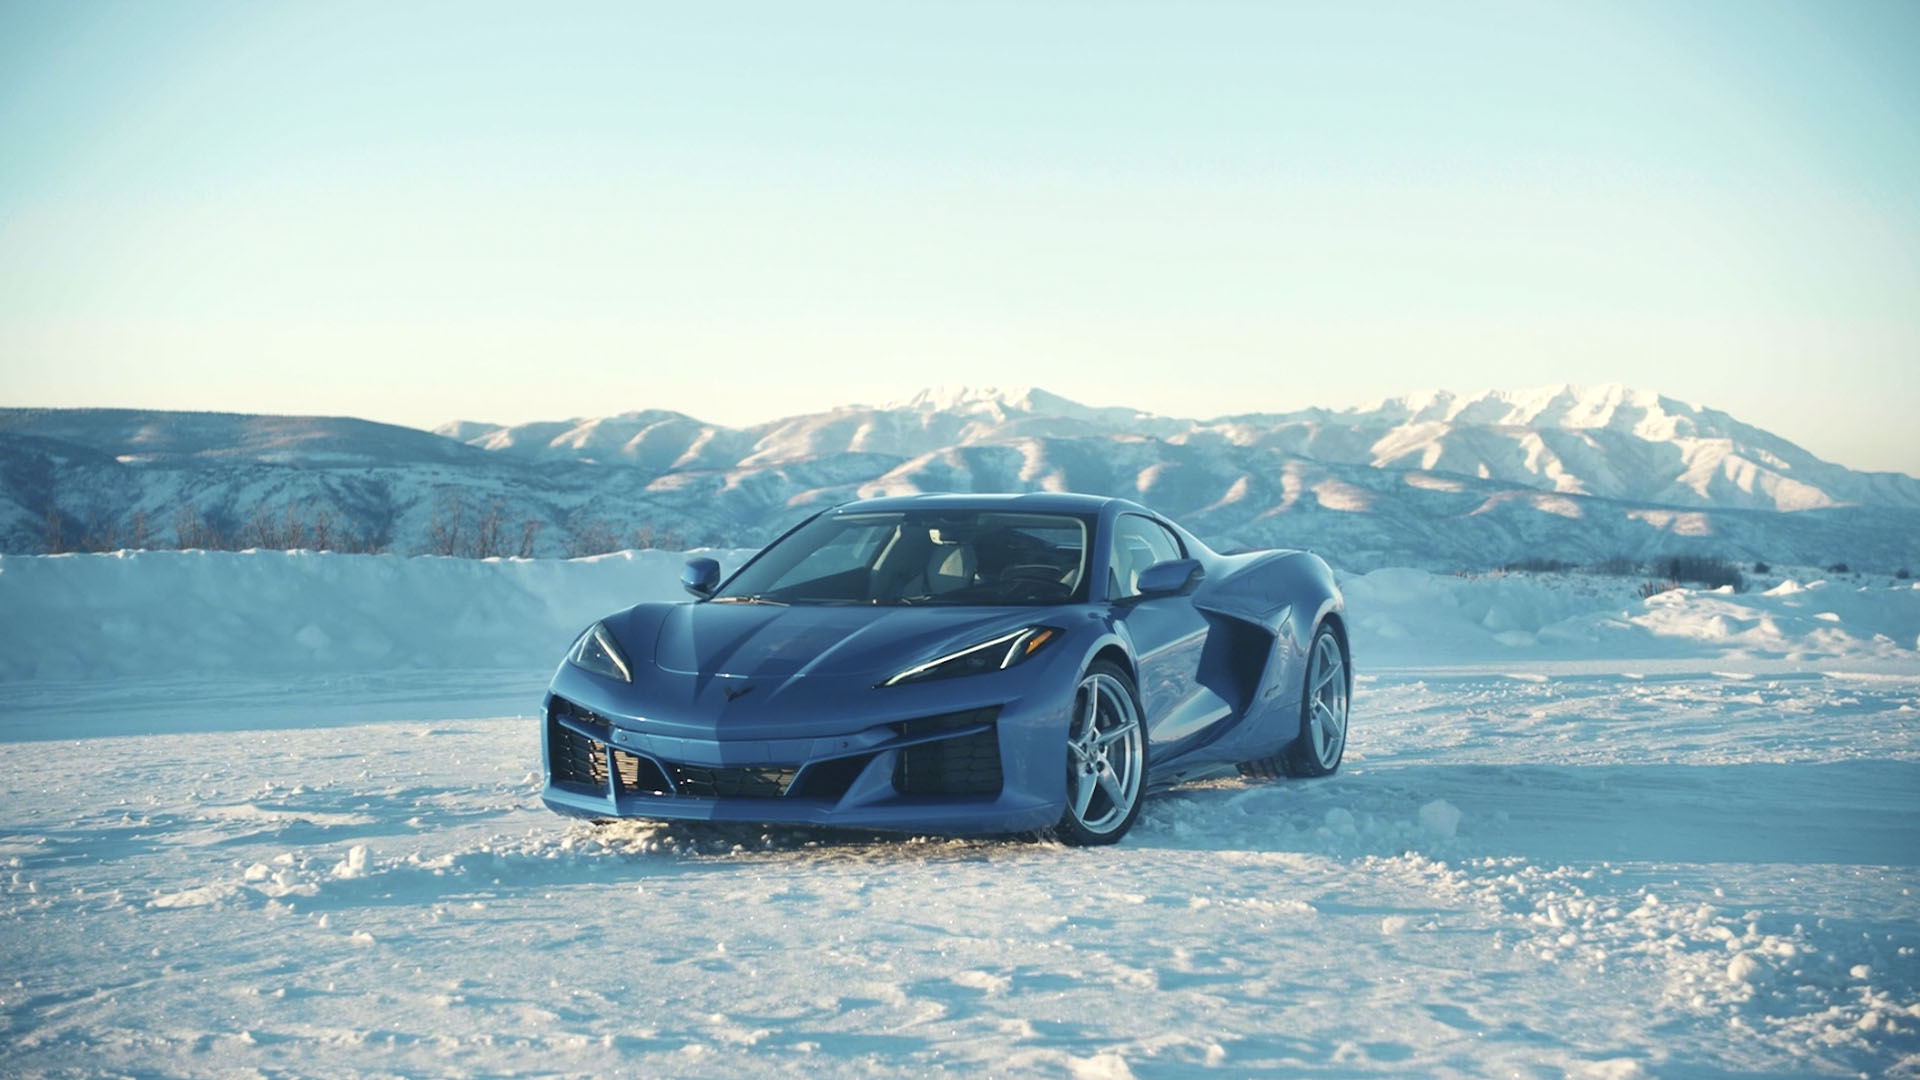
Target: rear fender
column 1279, row 599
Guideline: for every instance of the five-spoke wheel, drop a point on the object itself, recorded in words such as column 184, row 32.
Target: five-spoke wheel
column 1323, row 709
column 1323, row 715
column 1106, row 758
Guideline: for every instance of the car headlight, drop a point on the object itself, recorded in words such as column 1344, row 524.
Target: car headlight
column 597, row 652
column 1002, row 652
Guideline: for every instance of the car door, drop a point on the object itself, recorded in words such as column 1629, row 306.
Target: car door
column 1168, row 636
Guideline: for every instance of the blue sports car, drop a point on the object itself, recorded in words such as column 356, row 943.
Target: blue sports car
column 954, row 664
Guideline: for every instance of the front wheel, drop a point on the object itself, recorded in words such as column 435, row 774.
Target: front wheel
column 1106, row 758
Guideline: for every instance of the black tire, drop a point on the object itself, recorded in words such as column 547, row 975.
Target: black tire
column 1310, row 754
column 1102, row 819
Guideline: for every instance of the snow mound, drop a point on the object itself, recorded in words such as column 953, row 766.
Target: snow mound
column 261, row 613
column 1402, row 617
column 269, row 614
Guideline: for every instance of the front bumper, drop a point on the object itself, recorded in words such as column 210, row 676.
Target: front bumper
column 947, row 758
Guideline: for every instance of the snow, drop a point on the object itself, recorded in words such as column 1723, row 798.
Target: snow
column 1578, row 834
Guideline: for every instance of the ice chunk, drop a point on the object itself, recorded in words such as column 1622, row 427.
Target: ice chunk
column 1440, row 818
column 354, row 865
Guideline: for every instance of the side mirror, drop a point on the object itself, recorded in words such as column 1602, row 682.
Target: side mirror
column 701, row 576
column 1172, row 576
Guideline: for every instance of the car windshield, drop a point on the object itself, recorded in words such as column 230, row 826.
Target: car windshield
column 921, row 557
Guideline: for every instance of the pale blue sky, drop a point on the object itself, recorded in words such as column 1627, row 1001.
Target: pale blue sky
column 416, row 212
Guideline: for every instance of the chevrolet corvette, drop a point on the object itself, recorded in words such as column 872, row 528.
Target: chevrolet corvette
column 954, row 664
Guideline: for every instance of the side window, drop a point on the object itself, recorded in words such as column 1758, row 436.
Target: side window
column 1137, row 544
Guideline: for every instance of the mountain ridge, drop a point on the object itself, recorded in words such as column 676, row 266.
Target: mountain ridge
column 1566, row 438
column 1433, row 479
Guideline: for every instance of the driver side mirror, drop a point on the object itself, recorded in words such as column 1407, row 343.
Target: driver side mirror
column 1172, row 576
column 701, row 576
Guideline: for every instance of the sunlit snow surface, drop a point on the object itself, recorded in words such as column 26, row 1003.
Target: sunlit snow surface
column 1537, row 868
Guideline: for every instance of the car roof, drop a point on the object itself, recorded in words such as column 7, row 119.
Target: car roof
column 1040, row 502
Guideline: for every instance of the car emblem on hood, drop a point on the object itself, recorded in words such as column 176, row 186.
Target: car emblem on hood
column 733, row 693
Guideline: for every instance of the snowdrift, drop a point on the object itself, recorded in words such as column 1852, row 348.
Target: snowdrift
column 141, row 615
column 168, row 613
column 1414, row 618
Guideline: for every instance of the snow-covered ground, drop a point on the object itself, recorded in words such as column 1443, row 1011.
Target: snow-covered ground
column 276, row 814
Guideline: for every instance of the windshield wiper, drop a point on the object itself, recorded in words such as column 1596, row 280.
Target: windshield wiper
column 750, row 600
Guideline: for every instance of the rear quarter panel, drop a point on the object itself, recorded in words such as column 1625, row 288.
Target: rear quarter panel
column 1284, row 597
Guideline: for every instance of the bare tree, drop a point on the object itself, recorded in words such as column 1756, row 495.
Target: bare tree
column 489, row 532
column 190, row 530
column 101, row 535
column 137, row 530
column 323, row 538
column 261, row 530
column 444, row 534
column 529, row 532
column 592, row 538
column 187, row 527
column 56, row 539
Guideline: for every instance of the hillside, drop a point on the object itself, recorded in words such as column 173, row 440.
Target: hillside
column 1435, row 479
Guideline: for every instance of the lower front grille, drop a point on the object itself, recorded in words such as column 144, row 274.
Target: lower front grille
column 636, row 775
column 960, row 764
column 748, row 783
column 573, row 758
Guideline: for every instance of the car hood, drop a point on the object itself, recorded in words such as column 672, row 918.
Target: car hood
column 772, row 641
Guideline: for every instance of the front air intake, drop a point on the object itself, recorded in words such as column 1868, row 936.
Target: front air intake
column 701, row 781
column 960, row 764
column 572, row 758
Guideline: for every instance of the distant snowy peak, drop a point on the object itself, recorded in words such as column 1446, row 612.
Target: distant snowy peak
column 971, row 399
column 997, row 403
column 1609, row 406
column 1609, row 440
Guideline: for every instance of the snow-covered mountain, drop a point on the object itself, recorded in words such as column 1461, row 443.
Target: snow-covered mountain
column 1435, row 479
column 1609, row 441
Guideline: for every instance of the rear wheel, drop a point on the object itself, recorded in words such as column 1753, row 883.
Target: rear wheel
column 1323, row 716
column 1106, row 758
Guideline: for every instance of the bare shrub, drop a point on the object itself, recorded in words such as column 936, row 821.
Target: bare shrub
column 489, row 531
column 529, row 534
column 445, row 532
column 1655, row 588
column 101, row 535
column 191, row 531
column 1539, row 565
column 1704, row 570
column 270, row 531
column 55, row 536
column 594, row 537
